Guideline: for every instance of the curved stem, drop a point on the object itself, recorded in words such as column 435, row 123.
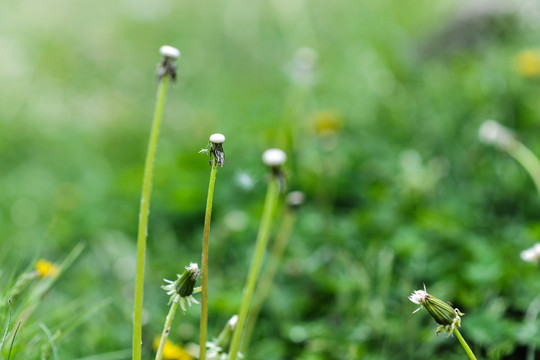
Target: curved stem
column 464, row 344
column 260, row 247
column 143, row 218
column 167, row 327
column 528, row 160
column 204, row 263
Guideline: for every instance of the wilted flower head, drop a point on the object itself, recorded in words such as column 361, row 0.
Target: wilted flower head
column 528, row 63
column 493, row 133
column 531, row 255
column 46, row 268
column 182, row 289
column 447, row 317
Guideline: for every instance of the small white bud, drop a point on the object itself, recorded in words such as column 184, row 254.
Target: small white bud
column 531, row 255
column 493, row 133
column 169, row 52
column 217, row 138
column 274, row 157
column 295, row 198
column 232, row 322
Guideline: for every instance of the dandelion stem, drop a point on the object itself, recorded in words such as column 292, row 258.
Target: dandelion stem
column 267, row 278
column 260, row 246
column 143, row 217
column 204, row 262
column 167, row 327
column 528, row 160
column 464, row 344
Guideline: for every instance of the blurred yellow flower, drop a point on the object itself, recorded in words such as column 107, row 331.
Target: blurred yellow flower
column 46, row 268
column 327, row 122
column 528, row 63
column 171, row 351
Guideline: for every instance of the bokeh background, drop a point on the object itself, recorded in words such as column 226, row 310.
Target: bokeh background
column 378, row 106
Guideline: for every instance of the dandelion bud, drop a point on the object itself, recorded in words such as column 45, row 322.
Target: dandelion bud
column 182, row 289
column 447, row 317
column 215, row 149
column 493, row 133
column 295, row 199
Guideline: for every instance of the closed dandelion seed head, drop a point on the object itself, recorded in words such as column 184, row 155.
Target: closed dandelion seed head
column 182, row 289
column 295, row 199
column 215, row 149
column 167, row 65
column 169, row 52
column 493, row 133
column 274, row 157
column 443, row 313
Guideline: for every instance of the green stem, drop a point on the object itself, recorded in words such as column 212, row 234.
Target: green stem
column 143, row 218
column 267, row 277
column 167, row 327
column 260, row 246
column 204, row 263
column 464, row 344
column 528, row 160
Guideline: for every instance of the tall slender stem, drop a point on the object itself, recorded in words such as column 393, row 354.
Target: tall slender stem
column 464, row 344
column 143, row 217
column 267, row 277
column 167, row 327
column 528, row 160
column 204, row 263
column 260, row 246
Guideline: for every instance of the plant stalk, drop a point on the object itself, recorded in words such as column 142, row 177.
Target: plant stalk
column 167, row 327
column 204, row 263
column 528, row 160
column 464, row 344
column 143, row 218
column 260, row 247
column 267, row 277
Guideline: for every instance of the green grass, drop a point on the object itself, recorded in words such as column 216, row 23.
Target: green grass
column 77, row 93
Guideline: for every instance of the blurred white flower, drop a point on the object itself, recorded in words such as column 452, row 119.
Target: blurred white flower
column 493, row 133
column 531, row 255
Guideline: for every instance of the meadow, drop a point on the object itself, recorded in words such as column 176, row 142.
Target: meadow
column 377, row 105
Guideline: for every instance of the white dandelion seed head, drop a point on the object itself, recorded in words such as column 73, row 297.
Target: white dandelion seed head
column 169, row 52
column 274, row 157
column 217, row 138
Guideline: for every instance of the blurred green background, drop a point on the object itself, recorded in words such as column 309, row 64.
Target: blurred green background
column 378, row 105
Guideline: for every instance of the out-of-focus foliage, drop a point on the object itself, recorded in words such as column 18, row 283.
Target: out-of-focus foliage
column 380, row 123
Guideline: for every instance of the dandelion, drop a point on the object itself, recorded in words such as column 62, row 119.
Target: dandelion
column 172, row 351
column 181, row 292
column 448, row 318
column 531, row 255
column 527, row 63
column 46, row 269
column 182, row 289
column 217, row 157
column 218, row 348
column 166, row 69
column 273, row 158
column 327, row 123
